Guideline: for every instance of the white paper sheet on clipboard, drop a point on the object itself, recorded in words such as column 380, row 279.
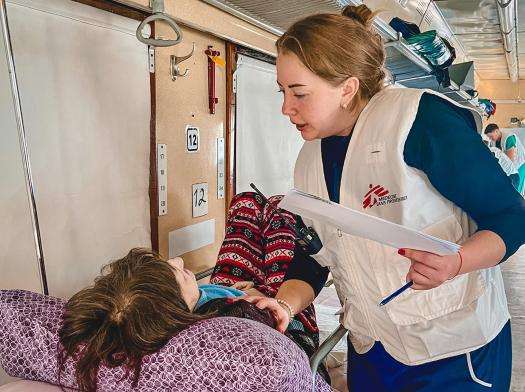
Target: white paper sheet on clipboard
column 362, row 225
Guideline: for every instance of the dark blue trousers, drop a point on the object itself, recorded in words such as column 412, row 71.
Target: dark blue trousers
column 487, row 369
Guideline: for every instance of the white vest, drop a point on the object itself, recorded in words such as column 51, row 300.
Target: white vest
column 418, row 326
column 504, row 161
column 520, row 150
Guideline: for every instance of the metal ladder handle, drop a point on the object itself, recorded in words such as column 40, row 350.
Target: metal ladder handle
column 159, row 16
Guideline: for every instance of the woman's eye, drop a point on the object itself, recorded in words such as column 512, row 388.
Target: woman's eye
column 299, row 95
column 280, row 90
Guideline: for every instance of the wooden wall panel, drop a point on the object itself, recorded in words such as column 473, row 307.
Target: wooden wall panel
column 231, row 67
column 204, row 17
column 185, row 102
column 130, row 9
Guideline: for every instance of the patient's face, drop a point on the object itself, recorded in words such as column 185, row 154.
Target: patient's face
column 187, row 282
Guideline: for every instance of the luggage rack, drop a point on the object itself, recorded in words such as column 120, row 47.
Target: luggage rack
column 407, row 67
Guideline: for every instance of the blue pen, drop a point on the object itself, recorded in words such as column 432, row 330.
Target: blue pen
column 396, row 293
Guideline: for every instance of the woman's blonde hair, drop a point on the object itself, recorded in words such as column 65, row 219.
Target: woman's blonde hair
column 336, row 47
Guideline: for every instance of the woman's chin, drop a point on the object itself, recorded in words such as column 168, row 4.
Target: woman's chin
column 308, row 135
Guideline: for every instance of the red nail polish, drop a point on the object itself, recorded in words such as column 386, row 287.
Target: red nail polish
column 401, row 252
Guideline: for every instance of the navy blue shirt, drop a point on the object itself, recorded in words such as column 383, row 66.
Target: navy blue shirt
column 444, row 144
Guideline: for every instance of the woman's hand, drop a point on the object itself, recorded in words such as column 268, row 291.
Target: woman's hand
column 429, row 270
column 281, row 316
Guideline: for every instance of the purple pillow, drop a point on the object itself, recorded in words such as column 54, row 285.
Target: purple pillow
column 220, row 354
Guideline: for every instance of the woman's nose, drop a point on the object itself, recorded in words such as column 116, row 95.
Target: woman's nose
column 287, row 108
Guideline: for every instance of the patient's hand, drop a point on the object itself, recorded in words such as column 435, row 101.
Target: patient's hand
column 248, row 288
column 254, row 292
column 244, row 285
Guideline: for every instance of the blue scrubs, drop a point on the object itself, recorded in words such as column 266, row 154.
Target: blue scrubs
column 489, row 370
column 472, row 179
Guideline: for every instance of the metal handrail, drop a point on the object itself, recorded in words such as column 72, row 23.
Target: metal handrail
column 204, row 274
column 325, row 348
column 159, row 15
column 24, row 150
column 209, row 271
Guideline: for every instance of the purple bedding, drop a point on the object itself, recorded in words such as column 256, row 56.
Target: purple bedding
column 220, row 354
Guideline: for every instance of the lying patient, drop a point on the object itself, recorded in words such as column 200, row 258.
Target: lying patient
column 136, row 306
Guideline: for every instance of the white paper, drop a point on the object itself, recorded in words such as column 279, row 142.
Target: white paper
column 362, row 225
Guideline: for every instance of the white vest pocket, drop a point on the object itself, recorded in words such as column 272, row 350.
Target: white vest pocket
column 416, row 306
column 424, row 305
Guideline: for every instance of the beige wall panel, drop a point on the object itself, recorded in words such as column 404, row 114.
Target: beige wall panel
column 499, row 89
column 179, row 103
column 503, row 89
column 204, row 17
column 504, row 112
column 184, row 102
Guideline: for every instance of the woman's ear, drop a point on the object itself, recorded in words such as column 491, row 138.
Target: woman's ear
column 350, row 87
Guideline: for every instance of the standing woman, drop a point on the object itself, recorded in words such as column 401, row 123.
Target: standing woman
column 415, row 158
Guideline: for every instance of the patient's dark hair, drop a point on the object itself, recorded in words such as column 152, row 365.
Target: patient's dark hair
column 132, row 310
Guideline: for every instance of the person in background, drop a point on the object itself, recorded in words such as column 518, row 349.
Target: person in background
column 511, row 145
column 507, row 165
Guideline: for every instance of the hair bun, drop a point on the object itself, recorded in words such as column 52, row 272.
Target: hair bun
column 361, row 14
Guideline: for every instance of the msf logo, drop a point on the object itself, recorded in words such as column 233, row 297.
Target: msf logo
column 379, row 196
column 373, row 195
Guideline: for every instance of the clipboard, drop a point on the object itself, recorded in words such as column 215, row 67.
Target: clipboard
column 363, row 225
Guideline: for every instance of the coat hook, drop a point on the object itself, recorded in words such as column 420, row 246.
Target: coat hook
column 175, row 61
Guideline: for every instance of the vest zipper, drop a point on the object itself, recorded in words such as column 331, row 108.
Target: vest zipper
column 359, row 290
